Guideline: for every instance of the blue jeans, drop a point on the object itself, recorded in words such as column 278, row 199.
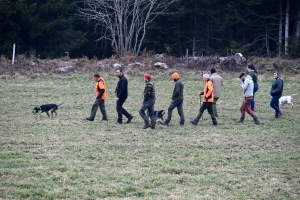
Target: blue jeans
column 274, row 103
column 255, row 88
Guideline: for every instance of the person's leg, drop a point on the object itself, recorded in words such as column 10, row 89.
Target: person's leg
column 102, row 109
column 94, row 109
column 144, row 107
column 124, row 112
column 120, row 110
column 243, row 111
column 255, row 88
column 151, row 114
column 201, row 110
column 214, row 107
column 274, row 103
column 170, row 109
column 180, row 111
column 211, row 112
column 249, row 110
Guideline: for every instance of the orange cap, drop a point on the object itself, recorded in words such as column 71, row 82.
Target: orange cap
column 175, row 76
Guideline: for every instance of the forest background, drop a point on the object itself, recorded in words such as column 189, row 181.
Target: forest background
column 50, row 28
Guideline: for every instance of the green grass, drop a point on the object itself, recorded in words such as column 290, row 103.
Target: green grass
column 71, row 158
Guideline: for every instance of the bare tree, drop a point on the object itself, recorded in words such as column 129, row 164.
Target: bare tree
column 286, row 37
column 123, row 22
column 280, row 29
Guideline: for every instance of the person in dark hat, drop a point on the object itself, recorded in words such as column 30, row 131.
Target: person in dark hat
column 148, row 103
column 217, row 84
column 100, row 90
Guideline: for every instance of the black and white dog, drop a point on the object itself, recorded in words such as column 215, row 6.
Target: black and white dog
column 158, row 114
column 46, row 108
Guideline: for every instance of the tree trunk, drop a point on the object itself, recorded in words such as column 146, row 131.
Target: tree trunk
column 286, row 45
column 298, row 25
column 280, row 29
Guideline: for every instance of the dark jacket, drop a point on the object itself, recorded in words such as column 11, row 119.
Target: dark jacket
column 149, row 91
column 122, row 88
column 254, row 76
column 178, row 90
column 277, row 87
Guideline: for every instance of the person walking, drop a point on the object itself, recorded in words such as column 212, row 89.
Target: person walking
column 177, row 100
column 148, row 103
column 100, row 90
column 208, row 94
column 253, row 73
column 217, row 84
column 276, row 92
column 247, row 86
column 121, row 96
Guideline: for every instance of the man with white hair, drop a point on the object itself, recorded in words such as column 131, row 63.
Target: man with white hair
column 208, row 94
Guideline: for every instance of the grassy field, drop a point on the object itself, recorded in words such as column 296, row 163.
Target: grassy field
column 71, row 158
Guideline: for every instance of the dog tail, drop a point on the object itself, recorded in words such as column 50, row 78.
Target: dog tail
column 61, row 104
column 294, row 94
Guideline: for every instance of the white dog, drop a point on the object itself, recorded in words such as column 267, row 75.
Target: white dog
column 287, row 99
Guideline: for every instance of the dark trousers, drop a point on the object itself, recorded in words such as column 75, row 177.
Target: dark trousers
column 174, row 104
column 149, row 106
column 99, row 103
column 214, row 106
column 254, row 90
column 246, row 107
column 274, row 103
column 121, row 111
column 209, row 107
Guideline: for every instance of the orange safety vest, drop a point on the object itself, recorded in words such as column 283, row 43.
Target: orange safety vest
column 208, row 91
column 101, row 84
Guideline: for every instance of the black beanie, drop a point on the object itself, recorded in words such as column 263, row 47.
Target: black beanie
column 213, row 70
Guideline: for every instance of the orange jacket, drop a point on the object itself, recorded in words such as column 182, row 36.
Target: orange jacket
column 208, row 92
column 101, row 84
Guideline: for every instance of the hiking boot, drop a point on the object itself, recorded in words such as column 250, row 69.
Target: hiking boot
column 152, row 127
column 129, row 119
column 90, row 119
column 279, row 114
column 215, row 124
column 256, row 122
column 118, row 123
column 240, row 121
column 146, row 126
column 193, row 122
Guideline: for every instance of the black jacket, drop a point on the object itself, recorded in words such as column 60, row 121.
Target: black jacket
column 122, row 88
column 277, row 87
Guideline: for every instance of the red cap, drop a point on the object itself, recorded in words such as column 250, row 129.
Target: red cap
column 148, row 76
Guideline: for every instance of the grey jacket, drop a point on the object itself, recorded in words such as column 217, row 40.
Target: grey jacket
column 248, row 86
column 217, row 83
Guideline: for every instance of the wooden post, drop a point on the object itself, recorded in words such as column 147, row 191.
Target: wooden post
column 187, row 57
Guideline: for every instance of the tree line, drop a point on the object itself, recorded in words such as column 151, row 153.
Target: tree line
column 55, row 28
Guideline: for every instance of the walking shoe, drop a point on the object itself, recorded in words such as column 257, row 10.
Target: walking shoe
column 256, row 122
column 193, row 122
column 240, row 121
column 279, row 114
column 90, row 119
column 152, row 127
column 146, row 126
column 118, row 123
column 129, row 119
column 215, row 124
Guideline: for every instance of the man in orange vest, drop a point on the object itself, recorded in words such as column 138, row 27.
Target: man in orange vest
column 100, row 98
column 208, row 94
